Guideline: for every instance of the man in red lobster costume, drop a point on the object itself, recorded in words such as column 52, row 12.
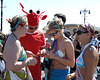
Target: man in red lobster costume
column 34, row 40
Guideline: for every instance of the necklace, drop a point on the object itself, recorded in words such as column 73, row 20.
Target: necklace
column 15, row 36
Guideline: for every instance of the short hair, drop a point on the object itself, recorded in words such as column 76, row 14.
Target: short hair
column 62, row 16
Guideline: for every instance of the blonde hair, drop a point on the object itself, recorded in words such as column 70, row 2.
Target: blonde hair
column 55, row 24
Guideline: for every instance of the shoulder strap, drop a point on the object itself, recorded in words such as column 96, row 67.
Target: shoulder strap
column 85, row 47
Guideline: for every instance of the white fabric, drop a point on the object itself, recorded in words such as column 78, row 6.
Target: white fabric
column 2, row 65
column 29, row 74
column 13, row 76
column 59, row 53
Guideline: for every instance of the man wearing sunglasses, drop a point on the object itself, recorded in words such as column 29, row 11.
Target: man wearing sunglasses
column 34, row 41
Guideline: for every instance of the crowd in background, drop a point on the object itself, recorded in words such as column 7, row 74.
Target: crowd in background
column 62, row 50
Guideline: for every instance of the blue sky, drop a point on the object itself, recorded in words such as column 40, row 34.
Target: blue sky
column 71, row 8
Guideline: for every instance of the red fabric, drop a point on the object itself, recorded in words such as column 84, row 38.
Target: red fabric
column 33, row 42
column 33, row 18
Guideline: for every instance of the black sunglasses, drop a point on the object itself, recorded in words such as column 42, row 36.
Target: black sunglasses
column 79, row 32
column 31, row 28
column 53, row 34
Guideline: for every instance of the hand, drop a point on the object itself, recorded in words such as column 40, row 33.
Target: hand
column 29, row 54
column 42, row 52
column 50, row 54
column 48, row 45
column 70, row 76
column 32, row 61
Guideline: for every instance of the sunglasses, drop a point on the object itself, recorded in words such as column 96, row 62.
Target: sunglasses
column 53, row 34
column 31, row 28
column 79, row 32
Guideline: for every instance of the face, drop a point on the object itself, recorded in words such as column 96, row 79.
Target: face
column 53, row 33
column 81, row 34
column 24, row 30
column 32, row 29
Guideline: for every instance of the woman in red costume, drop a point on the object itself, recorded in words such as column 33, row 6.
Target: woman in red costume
column 34, row 40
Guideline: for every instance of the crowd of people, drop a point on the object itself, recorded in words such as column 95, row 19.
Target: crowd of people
column 67, row 58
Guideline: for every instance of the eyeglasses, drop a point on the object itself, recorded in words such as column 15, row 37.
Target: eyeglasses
column 53, row 34
column 79, row 32
column 31, row 28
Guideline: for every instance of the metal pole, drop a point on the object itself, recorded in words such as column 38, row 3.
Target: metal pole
column 84, row 11
column 1, row 13
column 84, row 17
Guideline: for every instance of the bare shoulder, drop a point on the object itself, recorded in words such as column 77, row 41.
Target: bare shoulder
column 91, row 52
column 12, row 43
column 67, row 41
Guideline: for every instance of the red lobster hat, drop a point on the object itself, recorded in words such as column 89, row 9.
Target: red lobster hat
column 33, row 18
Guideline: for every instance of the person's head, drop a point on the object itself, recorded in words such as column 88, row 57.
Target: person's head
column 18, row 24
column 98, row 37
column 66, row 33
column 54, row 27
column 33, row 18
column 85, row 32
column 95, row 33
column 62, row 16
column 2, row 37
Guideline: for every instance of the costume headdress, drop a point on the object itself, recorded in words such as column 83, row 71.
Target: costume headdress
column 33, row 18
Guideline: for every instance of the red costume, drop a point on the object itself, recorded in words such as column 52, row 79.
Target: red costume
column 34, row 41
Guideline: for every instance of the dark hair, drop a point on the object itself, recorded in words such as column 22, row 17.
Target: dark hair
column 62, row 16
column 66, row 34
column 96, row 32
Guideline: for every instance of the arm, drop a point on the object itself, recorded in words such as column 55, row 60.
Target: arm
column 43, row 40
column 89, row 58
column 75, row 44
column 12, row 55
